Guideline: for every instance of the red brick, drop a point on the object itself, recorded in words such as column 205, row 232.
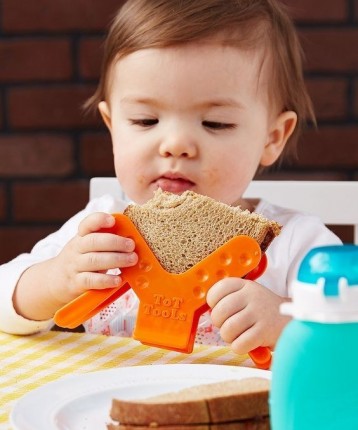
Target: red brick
column 330, row 50
column 331, row 147
column 1, row 113
column 2, row 203
column 90, row 57
column 36, row 155
column 49, row 107
column 318, row 10
column 54, row 16
column 329, row 97
column 35, row 59
column 48, row 202
column 344, row 232
column 96, row 154
column 19, row 240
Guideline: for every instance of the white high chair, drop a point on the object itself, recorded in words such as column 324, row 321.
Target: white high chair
column 335, row 202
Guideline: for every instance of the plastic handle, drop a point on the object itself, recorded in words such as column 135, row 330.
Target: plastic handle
column 170, row 304
column 262, row 357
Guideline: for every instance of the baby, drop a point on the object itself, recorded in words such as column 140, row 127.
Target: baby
column 197, row 95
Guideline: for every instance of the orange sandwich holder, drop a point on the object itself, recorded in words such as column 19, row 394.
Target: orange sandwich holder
column 170, row 304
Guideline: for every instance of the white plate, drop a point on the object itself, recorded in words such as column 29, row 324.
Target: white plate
column 83, row 401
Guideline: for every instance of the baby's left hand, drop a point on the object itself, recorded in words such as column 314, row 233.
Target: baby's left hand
column 246, row 313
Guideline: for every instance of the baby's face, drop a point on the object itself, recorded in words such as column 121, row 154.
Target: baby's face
column 193, row 117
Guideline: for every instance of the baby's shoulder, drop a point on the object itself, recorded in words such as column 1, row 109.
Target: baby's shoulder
column 288, row 218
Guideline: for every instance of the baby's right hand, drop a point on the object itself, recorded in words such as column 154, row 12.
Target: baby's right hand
column 84, row 261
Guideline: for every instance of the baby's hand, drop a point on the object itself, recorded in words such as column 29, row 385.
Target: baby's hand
column 84, row 261
column 246, row 313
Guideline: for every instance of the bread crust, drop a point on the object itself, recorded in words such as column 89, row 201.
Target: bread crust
column 258, row 423
column 183, row 229
column 219, row 402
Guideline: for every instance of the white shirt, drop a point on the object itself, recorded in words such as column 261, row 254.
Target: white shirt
column 299, row 234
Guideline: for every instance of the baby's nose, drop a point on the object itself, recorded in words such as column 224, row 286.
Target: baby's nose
column 178, row 146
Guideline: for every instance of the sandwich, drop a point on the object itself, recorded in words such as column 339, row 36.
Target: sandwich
column 182, row 230
column 225, row 405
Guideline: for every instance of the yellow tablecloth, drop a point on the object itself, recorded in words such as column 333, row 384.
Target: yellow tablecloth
column 28, row 362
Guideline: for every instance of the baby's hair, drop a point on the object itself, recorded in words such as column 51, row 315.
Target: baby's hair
column 246, row 24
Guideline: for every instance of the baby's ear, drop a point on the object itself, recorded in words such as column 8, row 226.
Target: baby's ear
column 282, row 128
column 106, row 114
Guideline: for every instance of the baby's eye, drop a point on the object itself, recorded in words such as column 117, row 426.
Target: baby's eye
column 145, row 122
column 218, row 125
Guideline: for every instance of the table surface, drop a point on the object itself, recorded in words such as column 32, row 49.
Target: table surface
column 28, row 362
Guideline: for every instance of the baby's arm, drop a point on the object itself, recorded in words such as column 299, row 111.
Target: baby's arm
column 81, row 265
column 246, row 313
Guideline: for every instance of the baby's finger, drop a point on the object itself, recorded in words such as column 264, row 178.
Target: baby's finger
column 227, row 307
column 99, row 261
column 95, row 222
column 247, row 341
column 98, row 281
column 236, row 325
column 223, row 288
column 101, row 242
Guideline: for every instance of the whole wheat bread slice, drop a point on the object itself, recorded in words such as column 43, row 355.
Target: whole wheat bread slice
column 219, row 402
column 182, row 230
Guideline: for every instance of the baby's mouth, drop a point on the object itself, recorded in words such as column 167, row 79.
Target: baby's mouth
column 174, row 184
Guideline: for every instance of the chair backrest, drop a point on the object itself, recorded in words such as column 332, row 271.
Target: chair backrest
column 335, row 202
column 100, row 186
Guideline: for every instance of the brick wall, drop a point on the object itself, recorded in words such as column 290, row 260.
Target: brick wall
column 49, row 61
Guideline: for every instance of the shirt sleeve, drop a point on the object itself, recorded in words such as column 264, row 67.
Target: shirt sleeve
column 307, row 233
column 10, row 273
column 300, row 233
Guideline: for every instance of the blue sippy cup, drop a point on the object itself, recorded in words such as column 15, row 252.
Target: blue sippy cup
column 315, row 364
